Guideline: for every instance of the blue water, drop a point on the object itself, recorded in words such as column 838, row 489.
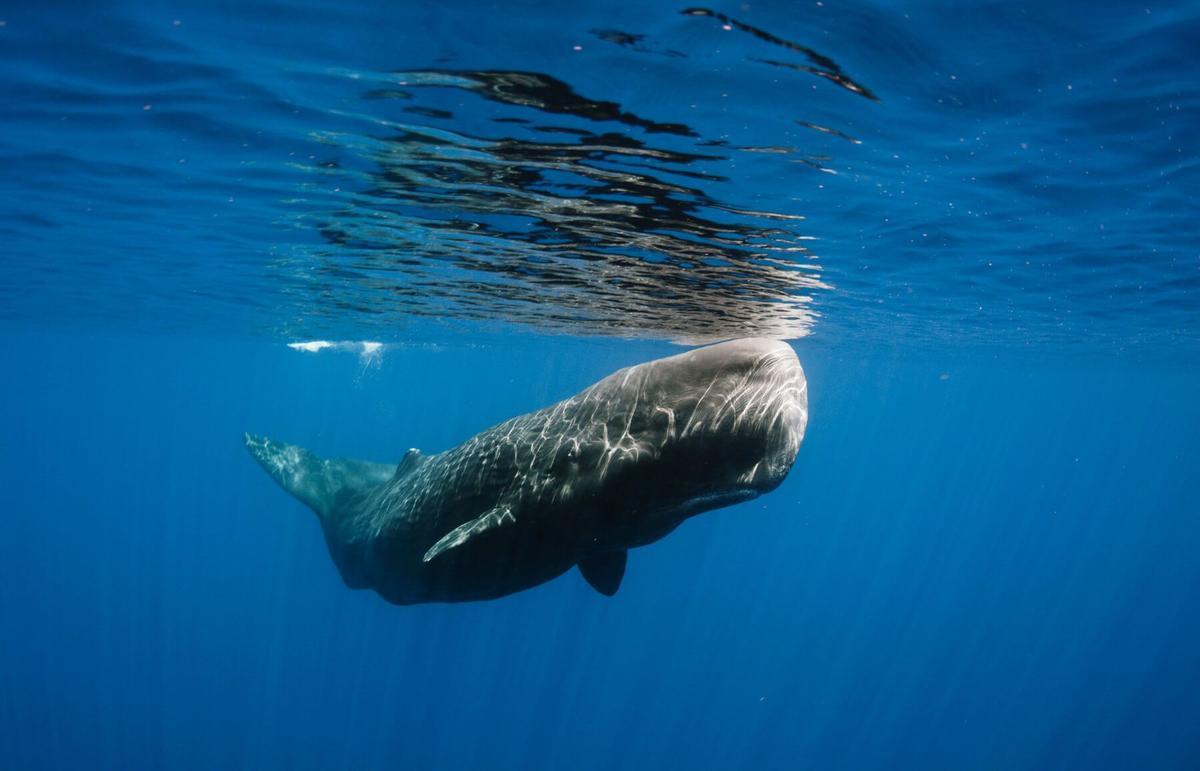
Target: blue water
column 976, row 225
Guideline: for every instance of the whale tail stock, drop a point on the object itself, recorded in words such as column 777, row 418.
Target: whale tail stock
column 319, row 483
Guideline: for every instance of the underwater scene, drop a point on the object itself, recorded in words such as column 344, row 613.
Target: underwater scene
column 782, row 384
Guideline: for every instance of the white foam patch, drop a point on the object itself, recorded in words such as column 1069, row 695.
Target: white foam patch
column 312, row 346
column 369, row 351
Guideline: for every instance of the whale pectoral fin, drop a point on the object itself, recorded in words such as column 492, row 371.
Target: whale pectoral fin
column 461, row 534
column 605, row 571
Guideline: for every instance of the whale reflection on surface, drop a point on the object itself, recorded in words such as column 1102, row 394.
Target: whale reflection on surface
column 577, row 215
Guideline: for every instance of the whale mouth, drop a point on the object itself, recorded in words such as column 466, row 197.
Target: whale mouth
column 717, row 499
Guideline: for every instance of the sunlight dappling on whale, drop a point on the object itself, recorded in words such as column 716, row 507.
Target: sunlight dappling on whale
column 446, row 262
column 619, row 465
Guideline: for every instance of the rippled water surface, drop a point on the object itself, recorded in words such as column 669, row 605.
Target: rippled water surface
column 365, row 227
column 1007, row 174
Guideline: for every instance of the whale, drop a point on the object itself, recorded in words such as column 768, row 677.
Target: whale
column 579, row 483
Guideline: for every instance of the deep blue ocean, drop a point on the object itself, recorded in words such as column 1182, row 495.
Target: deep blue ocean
column 976, row 224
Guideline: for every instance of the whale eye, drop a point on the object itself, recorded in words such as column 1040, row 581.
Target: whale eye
column 578, row 456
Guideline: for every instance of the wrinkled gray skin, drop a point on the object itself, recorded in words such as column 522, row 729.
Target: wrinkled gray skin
column 619, row 465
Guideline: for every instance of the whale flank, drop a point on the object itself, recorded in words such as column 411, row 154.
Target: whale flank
column 578, row 483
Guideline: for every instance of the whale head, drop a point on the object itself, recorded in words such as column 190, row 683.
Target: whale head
column 703, row 429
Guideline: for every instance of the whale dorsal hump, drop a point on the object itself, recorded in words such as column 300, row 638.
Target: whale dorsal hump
column 411, row 461
column 604, row 571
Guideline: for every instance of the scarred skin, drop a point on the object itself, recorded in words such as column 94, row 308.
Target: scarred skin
column 618, row 465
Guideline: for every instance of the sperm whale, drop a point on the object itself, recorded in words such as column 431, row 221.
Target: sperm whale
column 579, row 483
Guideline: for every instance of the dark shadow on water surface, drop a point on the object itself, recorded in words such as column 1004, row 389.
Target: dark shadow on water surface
column 525, row 199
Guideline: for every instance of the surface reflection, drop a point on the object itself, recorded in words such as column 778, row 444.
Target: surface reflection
column 530, row 202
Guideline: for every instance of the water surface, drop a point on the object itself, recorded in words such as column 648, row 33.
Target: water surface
column 975, row 224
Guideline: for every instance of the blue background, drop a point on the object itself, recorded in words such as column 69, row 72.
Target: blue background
column 987, row 555
column 976, row 562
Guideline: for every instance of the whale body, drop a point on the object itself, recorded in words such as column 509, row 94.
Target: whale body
column 619, row 465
